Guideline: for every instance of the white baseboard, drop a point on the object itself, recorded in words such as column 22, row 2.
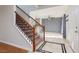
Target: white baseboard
column 70, row 46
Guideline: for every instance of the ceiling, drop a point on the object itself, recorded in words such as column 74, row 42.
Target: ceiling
column 45, row 6
column 28, row 8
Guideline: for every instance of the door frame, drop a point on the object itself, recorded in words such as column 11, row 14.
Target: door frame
column 64, row 25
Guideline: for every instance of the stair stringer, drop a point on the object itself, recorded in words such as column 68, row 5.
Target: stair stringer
column 24, row 36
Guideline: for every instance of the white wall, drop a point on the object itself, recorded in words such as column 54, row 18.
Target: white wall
column 8, row 32
column 52, row 12
column 72, row 37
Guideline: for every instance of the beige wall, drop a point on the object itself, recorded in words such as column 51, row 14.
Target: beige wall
column 52, row 11
column 8, row 32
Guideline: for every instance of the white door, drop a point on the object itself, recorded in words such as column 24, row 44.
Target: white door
column 75, row 33
column 72, row 27
column 76, row 37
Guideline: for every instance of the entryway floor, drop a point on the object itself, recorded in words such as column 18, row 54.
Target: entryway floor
column 54, row 43
column 52, row 47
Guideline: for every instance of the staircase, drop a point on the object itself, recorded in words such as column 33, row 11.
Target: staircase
column 29, row 30
column 24, row 26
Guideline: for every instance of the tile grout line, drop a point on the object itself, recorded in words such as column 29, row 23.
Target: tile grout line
column 43, row 51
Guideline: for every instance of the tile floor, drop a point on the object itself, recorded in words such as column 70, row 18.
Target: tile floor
column 52, row 47
column 55, row 48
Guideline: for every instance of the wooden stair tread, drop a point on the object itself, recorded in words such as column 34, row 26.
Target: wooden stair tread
column 28, row 30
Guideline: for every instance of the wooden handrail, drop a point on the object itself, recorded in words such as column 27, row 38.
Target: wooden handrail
column 29, row 16
column 33, row 28
column 23, row 19
column 34, row 47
